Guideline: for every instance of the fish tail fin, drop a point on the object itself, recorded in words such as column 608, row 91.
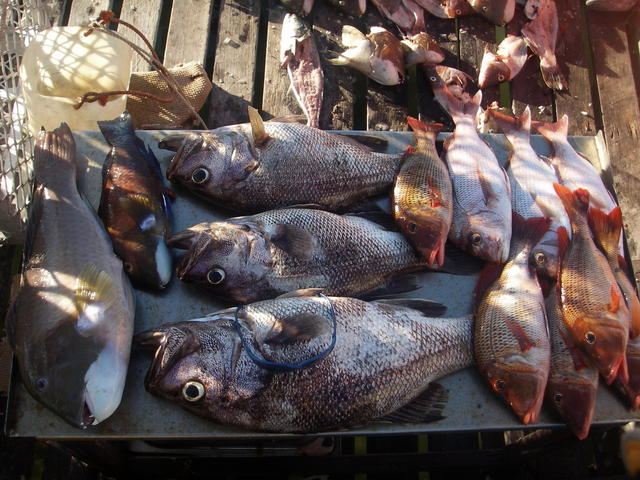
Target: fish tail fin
column 519, row 126
column 575, row 203
column 556, row 131
column 551, row 74
column 606, row 228
column 530, row 229
column 116, row 128
column 459, row 109
column 424, row 131
column 55, row 156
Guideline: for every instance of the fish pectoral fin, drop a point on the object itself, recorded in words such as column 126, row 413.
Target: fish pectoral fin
column 297, row 329
column 296, row 241
column 260, row 137
column 303, row 292
column 485, row 185
column 427, row 407
column 615, row 300
column 396, row 286
column 427, row 307
column 143, row 210
column 519, row 334
column 95, row 293
column 35, row 215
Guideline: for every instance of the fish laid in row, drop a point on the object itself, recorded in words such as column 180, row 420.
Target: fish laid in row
column 264, row 165
column 265, row 255
column 511, row 341
column 385, row 356
column 135, row 205
column 71, row 322
column 504, row 65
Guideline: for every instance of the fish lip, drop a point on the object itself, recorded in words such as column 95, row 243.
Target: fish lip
column 190, row 144
column 613, row 372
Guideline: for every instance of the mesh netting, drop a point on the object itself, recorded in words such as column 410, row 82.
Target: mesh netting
column 20, row 21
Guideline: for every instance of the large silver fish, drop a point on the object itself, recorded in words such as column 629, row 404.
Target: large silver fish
column 385, row 355
column 71, row 322
column 268, row 254
column 259, row 166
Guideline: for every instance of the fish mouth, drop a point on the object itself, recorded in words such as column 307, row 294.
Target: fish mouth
column 619, row 368
column 576, row 401
column 190, row 145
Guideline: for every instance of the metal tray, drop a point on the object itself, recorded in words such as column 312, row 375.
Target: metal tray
column 472, row 406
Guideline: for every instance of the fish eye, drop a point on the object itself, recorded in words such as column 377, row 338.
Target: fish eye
column 128, row 268
column 433, row 79
column 200, row 175
column 458, row 12
column 42, row 384
column 557, row 397
column 501, row 78
column 412, row 227
column 193, row 391
column 590, row 337
column 475, row 239
column 215, row 276
column 485, row 8
column 540, row 258
column 500, row 385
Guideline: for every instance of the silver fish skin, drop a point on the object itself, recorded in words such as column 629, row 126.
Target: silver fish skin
column 265, row 255
column 611, row 5
column 228, row 167
column 71, row 322
column 384, row 357
column 299, row 53
column 532, row 192
column 482, row 195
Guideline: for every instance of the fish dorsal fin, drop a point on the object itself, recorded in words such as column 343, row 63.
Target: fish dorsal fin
column 427, row 307
column 531, row 229
column 563, row 242
column 427, row 407
column 260, row 137
column 614, row 305
column 489, row 274
column 296, row 241
column 459, row 262
column 35, row 215
column 519, row 334
column 297, row 329
column 143, row 210
column 95, row 292
column 303, row 292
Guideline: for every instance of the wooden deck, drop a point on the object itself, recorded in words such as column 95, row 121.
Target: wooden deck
column 238, row 42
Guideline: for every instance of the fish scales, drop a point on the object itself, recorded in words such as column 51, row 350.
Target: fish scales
column 247, row 178
column 383, row 358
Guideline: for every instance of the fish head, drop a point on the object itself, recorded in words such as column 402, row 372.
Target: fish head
column 603, row 338
column 145, row 258
column 457, row 8
column 575, row 398
column 499, row 12
column 492, row 70
column 521, row 384
column 210, row 164
column 422, row 48
column 425, row 230
column 544, row 259
column 226, row 258
column 487, row 238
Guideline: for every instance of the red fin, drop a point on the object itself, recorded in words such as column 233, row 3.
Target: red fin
column 488, row 275
column 545, row 285
column 553, row 131
column 606, row 228
column 531, row 228
column 520, row 335
column 574, row 203
column 615, row 300
column 576, row 356
column 563, row 242
column 418, row 126
column 566, row 197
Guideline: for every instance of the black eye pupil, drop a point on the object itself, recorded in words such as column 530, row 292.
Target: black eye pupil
column 41, row 384
column 412, row 227
column 127, row 267
column 590, row 336
column 192, row 391
column 557, row 397
column 500, row 385
column 199, row 175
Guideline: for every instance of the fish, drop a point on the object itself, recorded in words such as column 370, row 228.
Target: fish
column 422, row 197
column 457, row 83
column 511, row 341
column 482, row 196
column 532, row 192
column 264, row 165
column 135, row 205
column 299, row 54
column 505, row 65
column 531, row 8
column 299, row 7
column 572, row 383
column 404, row 13
column 607, row 229
column 378, row 55
column 541, row 35
column 257, row 257
column 355, row 8
column 611, row 5
column 385, row 356
column 70, row 323
column 499, row 12
column 436, row 8
column 421, row 48
column 593, row 305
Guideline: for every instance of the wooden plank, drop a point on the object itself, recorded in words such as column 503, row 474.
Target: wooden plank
column 234, row 70
column 570, row 52
column 444, row 32
column 188, row 32
column 387, row 107
column 82, row 11
column 145, row 16
column 337, row 105
column 475, row 34
column 277, row 100
column 620, row 116
column 528, row 88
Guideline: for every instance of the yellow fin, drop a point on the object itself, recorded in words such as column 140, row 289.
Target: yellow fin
column 94, row 286
column 260, row 136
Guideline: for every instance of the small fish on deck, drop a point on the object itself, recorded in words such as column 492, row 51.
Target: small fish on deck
column 503, row 65
column 421, row 48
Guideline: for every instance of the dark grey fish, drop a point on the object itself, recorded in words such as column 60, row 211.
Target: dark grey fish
column 385, row 355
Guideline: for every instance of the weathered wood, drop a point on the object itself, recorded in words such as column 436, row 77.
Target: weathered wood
column 528, row 87
column 145, row 16
column 475, row 34
column 188, row 32
column 84, row 10
column 277, row 100
column 337, row 105
column 234, row 70
column 570, row 52
column 620, row 116
column 444, row 32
